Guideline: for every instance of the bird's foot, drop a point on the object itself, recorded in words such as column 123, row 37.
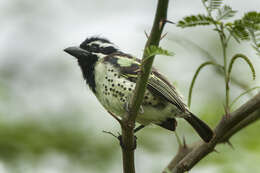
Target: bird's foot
column 119, row 137
column 124, row 146
column 141, row 110
column 126, row 105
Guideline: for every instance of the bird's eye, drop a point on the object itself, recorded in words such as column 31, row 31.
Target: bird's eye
column 94, row 47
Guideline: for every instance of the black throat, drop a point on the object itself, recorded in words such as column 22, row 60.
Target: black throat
column 87, row 65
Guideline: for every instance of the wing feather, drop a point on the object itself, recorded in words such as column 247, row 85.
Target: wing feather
column 157, row 83
column 165, row 89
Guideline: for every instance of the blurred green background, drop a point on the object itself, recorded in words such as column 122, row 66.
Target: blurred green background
column 50, row 122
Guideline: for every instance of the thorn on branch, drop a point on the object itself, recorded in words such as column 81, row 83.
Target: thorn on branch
column 163, row 35
column 147, row 36
column 163, row 22
column 119, row 137
column 216, row 150
column 110, row 133
column 168, row 21
column 230, row 144
column 114, row 116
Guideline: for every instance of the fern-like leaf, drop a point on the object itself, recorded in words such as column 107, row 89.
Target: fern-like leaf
column 255, row 37
column 252, row 20
column 240, row 30
column 214, row 4
column 195, row 20
column 233, row 35
column 225, row 12
column 245, row 28
column 154, row 50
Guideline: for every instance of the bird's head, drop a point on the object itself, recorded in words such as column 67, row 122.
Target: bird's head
column 92, row 48
column 88, row 53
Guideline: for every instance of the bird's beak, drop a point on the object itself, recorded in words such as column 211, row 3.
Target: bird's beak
column 76, row 52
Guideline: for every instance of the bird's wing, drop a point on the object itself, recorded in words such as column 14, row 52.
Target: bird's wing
column 162, row 87
column 157, row 83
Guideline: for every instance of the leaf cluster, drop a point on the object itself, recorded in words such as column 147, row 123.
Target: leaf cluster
column 246, row 28
column 156, row 50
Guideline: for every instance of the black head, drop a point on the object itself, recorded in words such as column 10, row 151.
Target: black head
column 98, row 45
column 92, row 47
column 88, row 54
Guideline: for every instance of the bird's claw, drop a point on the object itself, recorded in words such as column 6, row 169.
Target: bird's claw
column 122, row 144
column 126, row 106
column 141, row 110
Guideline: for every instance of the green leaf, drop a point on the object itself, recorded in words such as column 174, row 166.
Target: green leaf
column 240, row 30
column 154, row 50
column 255, row 37
column 247, row 27
column 195, row 20
column 214, row 4
column 252, row 20
column 225, row 12
column 233, row 35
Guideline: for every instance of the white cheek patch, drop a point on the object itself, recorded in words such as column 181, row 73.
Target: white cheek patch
column 100, row 55
column 103, row 44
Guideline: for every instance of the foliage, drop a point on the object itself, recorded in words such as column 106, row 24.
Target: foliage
column 195, row 20
column 156, row 50
column 225, row 12
column 246, row 28
column 214, row 4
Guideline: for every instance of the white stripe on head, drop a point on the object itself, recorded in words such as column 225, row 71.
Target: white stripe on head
column 100, row 55
column 101, row 44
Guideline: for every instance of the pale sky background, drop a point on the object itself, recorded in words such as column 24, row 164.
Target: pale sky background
column 43, row 78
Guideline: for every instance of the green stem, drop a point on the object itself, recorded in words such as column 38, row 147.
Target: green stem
column 128, row 121
column 161, row 16
column 196, row 75
column 224, row 43
column 224, row 49
column 226, row 75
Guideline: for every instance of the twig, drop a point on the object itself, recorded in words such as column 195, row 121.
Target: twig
column 147, row 36
column 163, row 35
column 128, row 121
column 226, row 128
column 110, row 133
column 115, row 117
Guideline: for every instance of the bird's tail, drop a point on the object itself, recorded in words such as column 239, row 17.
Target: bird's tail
column 201, row 128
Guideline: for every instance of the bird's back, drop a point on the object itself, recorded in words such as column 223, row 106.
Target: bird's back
column 115, row 77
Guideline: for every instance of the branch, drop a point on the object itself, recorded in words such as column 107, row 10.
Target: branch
column 196, row 75
column 128, row 122
column 244, row 123
column 226, row 128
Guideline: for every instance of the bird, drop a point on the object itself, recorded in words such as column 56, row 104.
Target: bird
column 112, row 74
